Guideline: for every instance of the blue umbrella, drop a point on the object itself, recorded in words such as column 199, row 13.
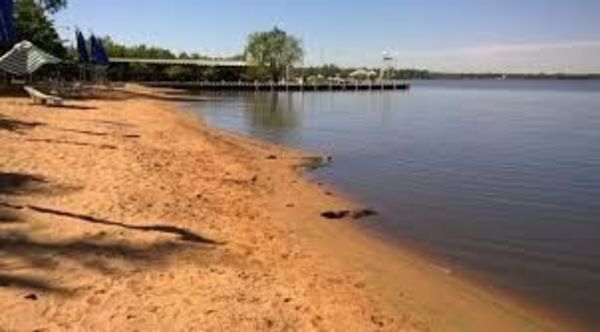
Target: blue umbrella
column 84, row 56
column 102, row 56
column 7, row 24
column 99, row 56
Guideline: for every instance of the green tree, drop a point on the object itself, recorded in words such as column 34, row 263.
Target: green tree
column 33, row 23
column 273, row 51
column 116, row 50
column 178, row 73
column 52, row 6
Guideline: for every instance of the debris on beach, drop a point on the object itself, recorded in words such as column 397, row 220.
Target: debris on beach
column 364, row 213
column 341, row 214
column 314, row 162
column 335, row 214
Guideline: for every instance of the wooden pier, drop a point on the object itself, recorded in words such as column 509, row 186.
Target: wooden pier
column 266, row 86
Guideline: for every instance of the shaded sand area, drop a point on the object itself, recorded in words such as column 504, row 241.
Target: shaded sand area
column 123, row 213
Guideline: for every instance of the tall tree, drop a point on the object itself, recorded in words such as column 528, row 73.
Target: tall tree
column 273, row 51
column 52, row 6
column 33, row 23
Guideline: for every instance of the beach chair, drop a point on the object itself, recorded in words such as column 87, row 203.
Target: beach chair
column 42, row 98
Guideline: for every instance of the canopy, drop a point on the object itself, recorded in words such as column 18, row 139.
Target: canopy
column 7, row 26
column 25, row 58
column 362, row 73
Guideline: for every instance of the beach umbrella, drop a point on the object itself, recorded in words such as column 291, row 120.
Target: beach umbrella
column 98, row 53
column 84, row 56
column 102, row 55
column 25, row 58
column 7, row 24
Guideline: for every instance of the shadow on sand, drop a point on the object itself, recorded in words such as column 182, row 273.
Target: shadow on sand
column 122, row 94
column 17, row 126
column 68, row 142
column 77, row 107
column 182, row 233
column 19, row 183
column 28, row 261
column 40, row 258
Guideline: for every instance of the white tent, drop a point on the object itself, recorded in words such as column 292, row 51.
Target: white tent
column 25, row 58
column 362, row 73
column 359, row 73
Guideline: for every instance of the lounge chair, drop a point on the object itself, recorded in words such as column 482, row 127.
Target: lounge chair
column 42, row 98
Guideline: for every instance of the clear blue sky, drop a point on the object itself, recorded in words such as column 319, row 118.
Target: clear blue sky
column 467, row 35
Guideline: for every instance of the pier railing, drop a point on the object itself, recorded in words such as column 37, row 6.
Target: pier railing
column 284, row 86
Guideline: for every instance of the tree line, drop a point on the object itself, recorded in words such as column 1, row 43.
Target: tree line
column 143, row 51
column 272, row 55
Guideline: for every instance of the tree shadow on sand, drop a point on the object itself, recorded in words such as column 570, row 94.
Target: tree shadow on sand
column 41, row 258
column 69, row 142
column 7, row 216
column 19, row 183
column 182, row 233
column 77, row 107
column 27, row 261
column 123, row 94
column 17, row 126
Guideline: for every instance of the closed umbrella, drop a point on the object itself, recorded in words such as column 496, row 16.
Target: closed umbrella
column 98, row 53
column 102, row 55
column 7, row 24
column 25, row 58
column 84, row 56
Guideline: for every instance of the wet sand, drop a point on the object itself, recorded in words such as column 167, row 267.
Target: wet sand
column 128, row 214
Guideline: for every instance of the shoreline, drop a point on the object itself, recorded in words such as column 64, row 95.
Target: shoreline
column 411, row 248
column 267, row 259
column 462, row 276
column 467, row 278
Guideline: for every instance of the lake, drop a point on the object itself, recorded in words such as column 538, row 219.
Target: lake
column 498, row 177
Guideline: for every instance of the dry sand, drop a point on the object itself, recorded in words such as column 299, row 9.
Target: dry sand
column 121, row 214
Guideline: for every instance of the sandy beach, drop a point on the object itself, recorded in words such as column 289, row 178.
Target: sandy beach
column 124, row 213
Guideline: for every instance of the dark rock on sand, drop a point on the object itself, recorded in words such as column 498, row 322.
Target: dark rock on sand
column 341, row 214
column 335, row 214
column 31, row 297
column 314, row 162
column 364, row 213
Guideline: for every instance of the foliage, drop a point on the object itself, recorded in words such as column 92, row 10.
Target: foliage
column 33, row 23
column 256, row 73
column 116, row 50
column 143, row 51
column 52, row 6
column 142, row 72
column 178, row 73
column 273, row 51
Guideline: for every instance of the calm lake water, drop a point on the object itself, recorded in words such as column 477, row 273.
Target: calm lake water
column 500, row 177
